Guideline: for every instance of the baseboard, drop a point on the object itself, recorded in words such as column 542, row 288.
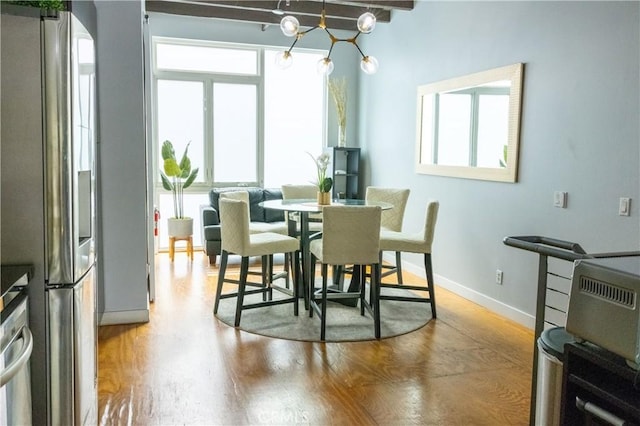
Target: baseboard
column 483, row 300
column 493, row 305
column 124, row 317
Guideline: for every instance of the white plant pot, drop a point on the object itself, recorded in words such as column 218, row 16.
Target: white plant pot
column 180, row 227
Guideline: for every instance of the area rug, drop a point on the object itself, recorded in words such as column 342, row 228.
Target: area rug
column 344, row 323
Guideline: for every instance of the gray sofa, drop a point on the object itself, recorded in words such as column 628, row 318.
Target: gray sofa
column 262, row 220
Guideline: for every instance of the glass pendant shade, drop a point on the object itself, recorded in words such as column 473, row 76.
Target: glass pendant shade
column 369, row 64
column 325, row 66
column 284, row 59
column 289, row 26
column 366, row 22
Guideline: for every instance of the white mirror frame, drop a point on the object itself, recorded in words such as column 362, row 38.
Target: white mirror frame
column 509, row 173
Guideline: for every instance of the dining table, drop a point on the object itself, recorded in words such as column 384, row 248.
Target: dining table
column 304, row 208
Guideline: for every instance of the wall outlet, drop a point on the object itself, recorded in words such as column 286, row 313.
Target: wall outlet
column 498, row 277
column 560, row 199
column 624, row 206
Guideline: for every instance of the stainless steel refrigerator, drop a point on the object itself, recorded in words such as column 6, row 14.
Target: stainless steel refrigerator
column 48, row 202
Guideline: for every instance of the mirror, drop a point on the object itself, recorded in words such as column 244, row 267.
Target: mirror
column 469, row 126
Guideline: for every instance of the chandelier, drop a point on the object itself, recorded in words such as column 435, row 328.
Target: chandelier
column 291, row 28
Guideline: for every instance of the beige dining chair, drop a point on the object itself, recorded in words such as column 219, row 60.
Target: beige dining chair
column 350, row 236
column 238, row 240
column 254, row 226
column 257, row 227
column 419, row 242
column 391, row 220
column 302, row 192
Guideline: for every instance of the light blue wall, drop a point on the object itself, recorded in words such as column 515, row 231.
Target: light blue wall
column 122, row 219
column 580, row 134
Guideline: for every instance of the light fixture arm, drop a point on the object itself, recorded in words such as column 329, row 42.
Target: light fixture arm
column 299, row 35
column 366, row 23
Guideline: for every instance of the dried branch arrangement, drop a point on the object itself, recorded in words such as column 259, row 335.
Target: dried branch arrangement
column 338, row 90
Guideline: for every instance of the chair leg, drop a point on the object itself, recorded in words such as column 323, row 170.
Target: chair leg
column 432, row 293
column 297, row 273
column 323, row 319
column 264, row 267
column 375, row 283
column 363, row 291
column 287, row 261
column 223, row 268
column 244, row 269
column 295, row 290
column 311, row 284
column 399, row 266
column 270, row 275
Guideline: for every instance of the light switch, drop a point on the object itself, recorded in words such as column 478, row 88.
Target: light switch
column 560, row 199
column 624, row 208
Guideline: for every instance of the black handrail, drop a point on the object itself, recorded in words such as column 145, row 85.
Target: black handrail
column 548, row 246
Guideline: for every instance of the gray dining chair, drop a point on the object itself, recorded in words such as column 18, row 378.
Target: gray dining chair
column 419, row 242
column 237, row 239
column 350, row 236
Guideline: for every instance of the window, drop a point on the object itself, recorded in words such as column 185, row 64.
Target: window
column 246, row 122
column 294, row 119
column 471, row 127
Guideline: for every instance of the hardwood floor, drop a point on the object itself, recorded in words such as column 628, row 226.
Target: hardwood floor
column 467, row 367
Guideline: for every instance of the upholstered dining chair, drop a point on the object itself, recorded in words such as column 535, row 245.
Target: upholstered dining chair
column 238, row 240
column 419, row 242
column 257, row 227
column 350, row 235
column 238, row 195
column 302, row 192
column 391, row 220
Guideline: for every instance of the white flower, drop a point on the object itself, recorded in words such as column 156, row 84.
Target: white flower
column 322, row 161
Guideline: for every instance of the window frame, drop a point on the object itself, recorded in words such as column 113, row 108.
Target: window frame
column 474, row 101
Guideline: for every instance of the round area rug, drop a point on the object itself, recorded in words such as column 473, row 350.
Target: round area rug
column 344, row 323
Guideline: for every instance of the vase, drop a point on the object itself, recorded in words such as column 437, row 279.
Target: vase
column 342, row 136
column 180, row 227
column 324, row 198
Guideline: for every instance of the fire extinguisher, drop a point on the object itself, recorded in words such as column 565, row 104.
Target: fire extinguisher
column 156, row 218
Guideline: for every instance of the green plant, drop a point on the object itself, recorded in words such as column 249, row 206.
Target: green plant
column 324, row 183
column 42, row 4
column 503, row 160
column 177, row 176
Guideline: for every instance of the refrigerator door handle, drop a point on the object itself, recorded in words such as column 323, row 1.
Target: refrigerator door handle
column 13, row 368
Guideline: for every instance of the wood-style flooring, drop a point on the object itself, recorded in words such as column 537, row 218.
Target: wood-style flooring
column 184, row 367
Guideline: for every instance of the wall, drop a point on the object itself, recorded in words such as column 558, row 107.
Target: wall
column 122, row 218
column 580, row 134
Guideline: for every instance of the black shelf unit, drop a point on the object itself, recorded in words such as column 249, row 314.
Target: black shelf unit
column 345, row 172
column 604, row 381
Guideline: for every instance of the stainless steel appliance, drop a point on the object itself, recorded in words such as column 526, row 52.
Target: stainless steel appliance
column 603, row 305
column 48, row 202
column 16, row 345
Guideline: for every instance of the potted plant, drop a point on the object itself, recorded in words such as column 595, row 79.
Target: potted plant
column 176, row 178
column 324, row 183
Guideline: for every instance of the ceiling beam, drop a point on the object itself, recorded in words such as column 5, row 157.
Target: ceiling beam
column 211, row 9
column 296, row 8
column 384, row 4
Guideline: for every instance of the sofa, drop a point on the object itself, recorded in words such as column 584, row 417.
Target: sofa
column 262, row 220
